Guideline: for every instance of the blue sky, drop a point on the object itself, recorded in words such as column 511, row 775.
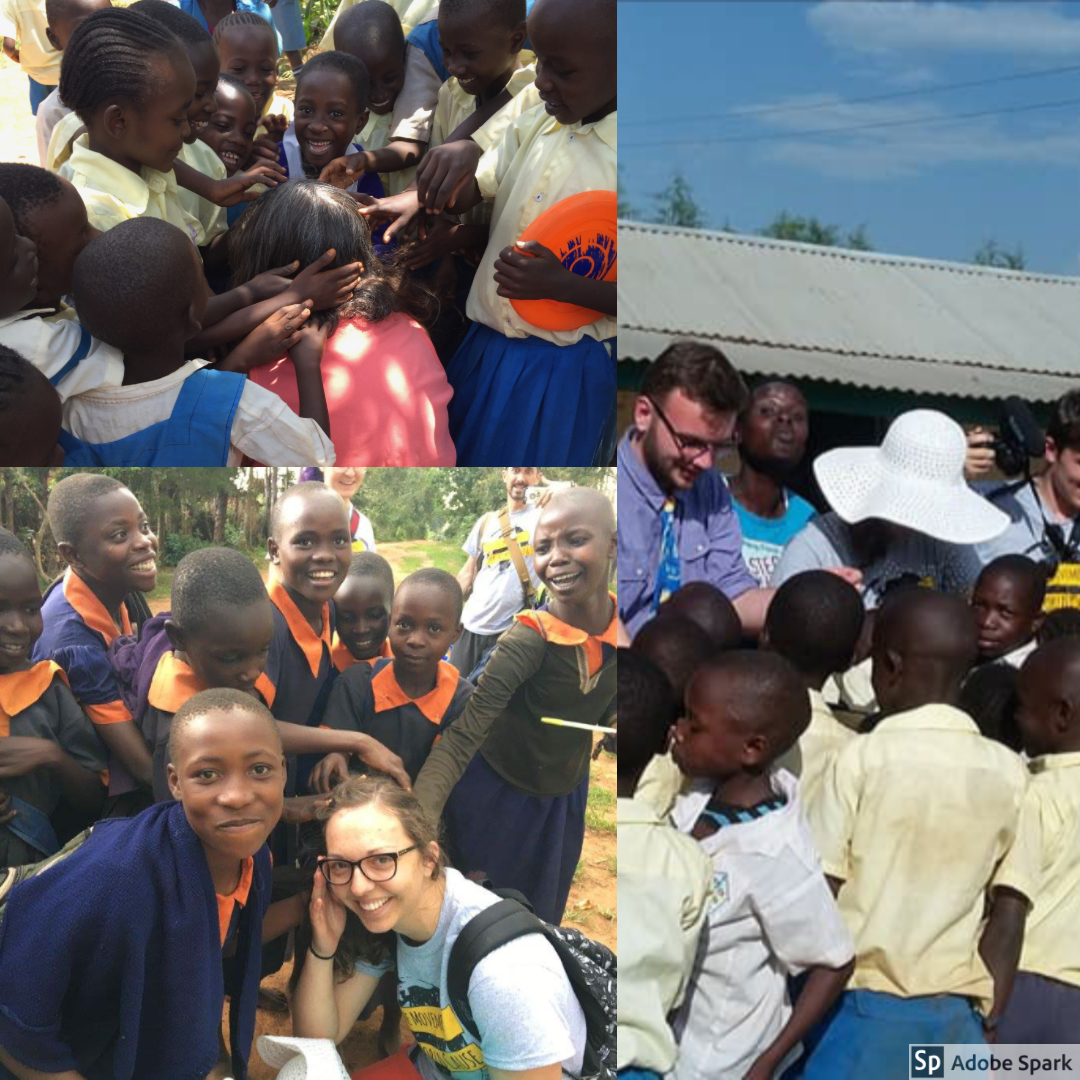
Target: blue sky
column 921, row 186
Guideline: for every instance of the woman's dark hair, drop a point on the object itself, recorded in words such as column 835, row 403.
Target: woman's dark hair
column 111, row 55
column 302, row 219
column 422, row 830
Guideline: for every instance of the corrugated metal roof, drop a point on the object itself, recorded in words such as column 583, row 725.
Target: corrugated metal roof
column 873, row 320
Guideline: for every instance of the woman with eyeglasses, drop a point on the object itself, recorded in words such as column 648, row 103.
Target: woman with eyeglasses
column 384, row 898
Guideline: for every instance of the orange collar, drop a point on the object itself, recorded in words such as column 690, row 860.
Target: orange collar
column 343, row 659
column 238, row 896
column 175, row 682
column 559, row 633
column 91, row 610
column 20, row 689
column 310, row 642
column 389, row 695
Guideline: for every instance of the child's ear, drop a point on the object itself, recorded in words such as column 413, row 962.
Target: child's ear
column 272, row 551
column 173, row 779
column 755, row 749
column 362, row 122
column 517, row 38
column 115, row 122
column 68, row 553
column 457, row 633
column 54, row 41
column 176, row 635
column 431, row 858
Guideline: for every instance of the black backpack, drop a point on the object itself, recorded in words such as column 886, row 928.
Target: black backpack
column 590, row 967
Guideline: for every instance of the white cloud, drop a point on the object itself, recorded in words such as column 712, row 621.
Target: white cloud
column 1032, row 29
column 915, row 146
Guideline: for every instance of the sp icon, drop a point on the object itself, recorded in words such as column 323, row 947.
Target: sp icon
column 927, row 1061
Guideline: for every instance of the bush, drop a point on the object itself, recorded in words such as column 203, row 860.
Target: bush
column 176, row 545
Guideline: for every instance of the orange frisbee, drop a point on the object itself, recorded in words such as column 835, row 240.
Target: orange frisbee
column 580, row 229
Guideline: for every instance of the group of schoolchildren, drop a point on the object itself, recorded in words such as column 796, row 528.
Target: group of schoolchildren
column 169, row 773
column 805, row 890
column 123, row 342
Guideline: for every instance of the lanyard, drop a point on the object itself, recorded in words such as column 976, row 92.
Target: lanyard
column 1054, row 535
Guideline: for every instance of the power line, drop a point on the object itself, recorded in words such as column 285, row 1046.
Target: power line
column 762, row 110
column 925, row 120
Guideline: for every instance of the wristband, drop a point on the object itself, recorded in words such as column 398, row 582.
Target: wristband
column 319, row 956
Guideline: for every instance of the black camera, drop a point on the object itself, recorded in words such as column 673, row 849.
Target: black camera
column 1019, row 437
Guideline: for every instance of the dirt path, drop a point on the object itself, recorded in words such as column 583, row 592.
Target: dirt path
column 592, row 908
column 19, row 142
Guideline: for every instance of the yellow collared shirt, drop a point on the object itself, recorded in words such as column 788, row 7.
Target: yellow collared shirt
column 818, row 746
column 664, row 882
column 113, row 193
column 375, row 136
column 455, row 107
column 211, row 216
column 919, row 819
column 25, row 21
column 1051, row 829
column 61, row 141
column 537, row 163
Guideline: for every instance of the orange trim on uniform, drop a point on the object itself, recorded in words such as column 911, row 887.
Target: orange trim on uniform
column 20, row 689
column 558, row 632
column 175, row 682
column 389, row 695
column 238, row 896
column 112, row 712
column 91, row 610
column 339, row 653
column 310, row 642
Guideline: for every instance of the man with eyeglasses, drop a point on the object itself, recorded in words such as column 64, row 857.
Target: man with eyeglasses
column 676, row 519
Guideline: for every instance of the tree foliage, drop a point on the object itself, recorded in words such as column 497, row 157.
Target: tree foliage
column 192, row 508
column 991, row 254
column 808, row 230
column 675, row 205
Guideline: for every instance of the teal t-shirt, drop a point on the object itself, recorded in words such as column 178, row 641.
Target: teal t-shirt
column 764, row 539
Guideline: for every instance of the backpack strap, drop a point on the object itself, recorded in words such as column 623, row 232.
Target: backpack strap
column 509, row 534
column 490, row 929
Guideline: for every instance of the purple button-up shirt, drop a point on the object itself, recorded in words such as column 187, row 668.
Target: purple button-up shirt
column 707, row 532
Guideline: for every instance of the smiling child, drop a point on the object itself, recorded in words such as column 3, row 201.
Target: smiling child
column 362, row 608
column 111, row 962
column 518, row 808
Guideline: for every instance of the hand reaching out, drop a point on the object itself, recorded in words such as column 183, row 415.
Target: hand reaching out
column 445, row 171
column 328, row 773
column 327, row 288
column 269, row 339
column 530, row 271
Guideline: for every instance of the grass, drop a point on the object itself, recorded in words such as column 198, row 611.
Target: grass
column 607, row 913
column 579, row 872
column 163, row 588
column 407, row 556
column 598, row 811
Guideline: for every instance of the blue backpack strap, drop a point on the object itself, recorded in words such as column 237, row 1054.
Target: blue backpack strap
column 85, row 341
column 426, row 38
column 33, row 826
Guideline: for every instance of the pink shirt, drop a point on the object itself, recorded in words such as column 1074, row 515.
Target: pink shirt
column 386, row 391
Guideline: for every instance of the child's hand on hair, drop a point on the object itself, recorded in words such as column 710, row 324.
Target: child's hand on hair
column 272, row 282
column 439, row 236
column 308, row 349
column 234, row 189
column 303, row 808
column 445, row 171
column 269, row 339
column 327, row 917
column 398, row 210
column 378, row 757
column 328, row 288
column 331, row 771
column 22, row 754
column 344, row 171
column 530, row 271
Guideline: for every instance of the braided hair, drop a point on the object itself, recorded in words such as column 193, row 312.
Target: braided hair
column 110, row 55
column 26, row 188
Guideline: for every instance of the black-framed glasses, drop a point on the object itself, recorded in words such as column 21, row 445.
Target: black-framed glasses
column 380, row 867
column 690, row 446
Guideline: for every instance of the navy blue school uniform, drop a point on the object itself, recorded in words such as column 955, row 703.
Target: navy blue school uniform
column 372, row 701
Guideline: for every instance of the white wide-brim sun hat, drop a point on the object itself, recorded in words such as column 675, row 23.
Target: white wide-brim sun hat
column 915, row 479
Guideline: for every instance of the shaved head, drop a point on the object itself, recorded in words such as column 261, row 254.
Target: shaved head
column 1049, row 712
column 585, row 502
column 924, row 644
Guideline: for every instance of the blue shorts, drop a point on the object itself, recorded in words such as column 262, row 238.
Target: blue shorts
column 38, row 93
column 290, row 25
column 868, row 1034
column 1040, row 1010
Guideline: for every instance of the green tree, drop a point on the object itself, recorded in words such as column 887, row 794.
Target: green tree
column 808, row 230
column 675, row 205
column 990, row 254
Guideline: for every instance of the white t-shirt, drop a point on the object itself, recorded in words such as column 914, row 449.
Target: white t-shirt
column 497, row 595
column 363, row 535
column 519, row 994
column 772, row 915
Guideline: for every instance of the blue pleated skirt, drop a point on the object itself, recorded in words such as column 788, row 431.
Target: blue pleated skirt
column 525, row 398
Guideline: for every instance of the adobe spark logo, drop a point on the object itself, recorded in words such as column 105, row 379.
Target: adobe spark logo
column 928, row 1061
